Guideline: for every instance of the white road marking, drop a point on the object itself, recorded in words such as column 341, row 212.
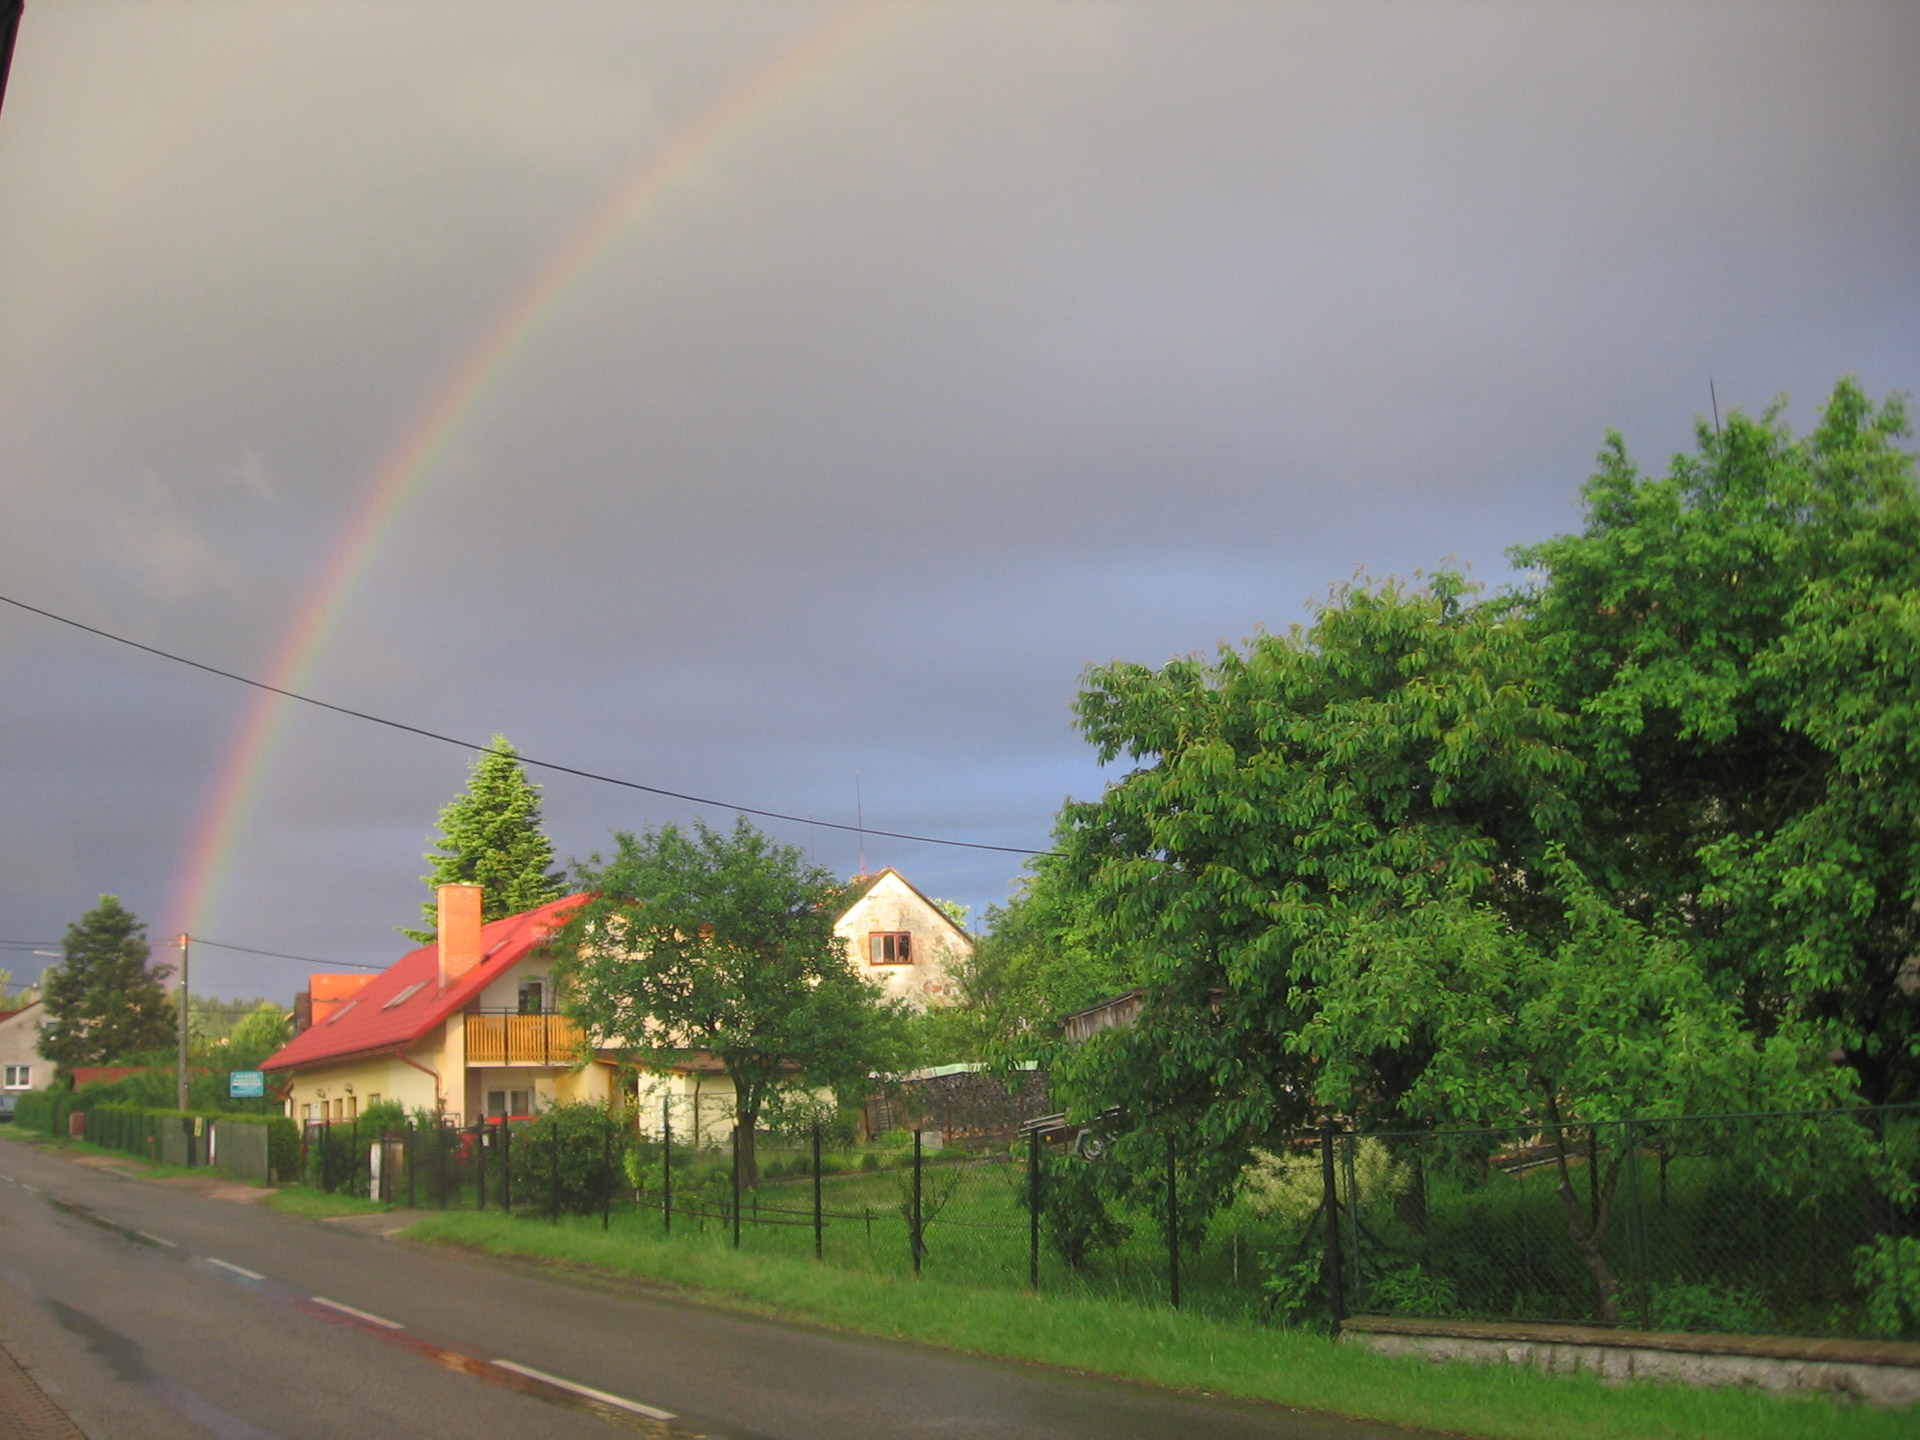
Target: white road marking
column 358, row 1314
column 158, row 1240
column 236, row 1269
column 35, row 1188
column 587, row 1390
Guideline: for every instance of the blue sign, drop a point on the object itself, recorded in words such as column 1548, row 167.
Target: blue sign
column 246, row 1084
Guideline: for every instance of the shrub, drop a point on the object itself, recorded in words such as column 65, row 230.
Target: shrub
column 1729, row 1309
column 574, row 1141
column 1073, row 1210
column 1410, row 1290
column 1889, row 1271
column 35, row 1111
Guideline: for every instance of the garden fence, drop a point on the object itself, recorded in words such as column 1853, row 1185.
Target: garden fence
column 1800, row 1223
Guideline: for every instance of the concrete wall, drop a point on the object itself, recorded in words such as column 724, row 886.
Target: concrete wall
column 1879, row 1373
column 240, row 1150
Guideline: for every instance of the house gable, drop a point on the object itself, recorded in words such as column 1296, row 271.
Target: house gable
column 897, row 936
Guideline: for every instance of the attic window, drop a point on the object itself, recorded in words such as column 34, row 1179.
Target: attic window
column 341, row 1013
column 405, row 995
column 890, row 947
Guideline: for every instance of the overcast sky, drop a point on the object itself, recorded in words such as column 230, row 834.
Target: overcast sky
column 965, row 345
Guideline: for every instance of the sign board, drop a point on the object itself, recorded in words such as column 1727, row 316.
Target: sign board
column 246, row 1084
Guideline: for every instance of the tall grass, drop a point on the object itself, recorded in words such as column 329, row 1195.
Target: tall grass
column 1182, row 1350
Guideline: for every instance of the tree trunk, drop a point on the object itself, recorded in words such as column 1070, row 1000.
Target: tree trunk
column 1588, row 1231
column 749, row 1166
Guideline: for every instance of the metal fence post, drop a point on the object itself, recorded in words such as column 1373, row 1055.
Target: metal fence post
column 1033, row 1209
column 506, row 1163
column 606, row 1176
column 914, row 1227
column 553, row 1201
column 1330, row 1203
column 736, row 1184
column 819, row 1235
column 1173, row 1225
column 482, row 1138
column 666, row 1165
column 326, row 1155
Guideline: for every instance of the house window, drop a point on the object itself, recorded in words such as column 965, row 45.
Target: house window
column 19, row 1077
column 890, row 947
column 533, row 994
column 503, row 1103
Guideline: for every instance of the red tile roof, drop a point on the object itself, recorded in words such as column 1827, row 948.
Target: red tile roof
column 365, row 1024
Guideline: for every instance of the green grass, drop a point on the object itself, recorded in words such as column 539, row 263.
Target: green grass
column 311, row 1204
column 1183, row 1351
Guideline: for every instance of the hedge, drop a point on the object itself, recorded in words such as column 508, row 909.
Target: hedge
column 47, row 1111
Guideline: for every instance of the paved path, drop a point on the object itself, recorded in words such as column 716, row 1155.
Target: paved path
column 150, row 1312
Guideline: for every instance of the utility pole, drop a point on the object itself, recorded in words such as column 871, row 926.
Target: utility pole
column 180, row 1073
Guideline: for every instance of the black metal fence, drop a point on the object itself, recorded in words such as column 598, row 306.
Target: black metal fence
column 1786, row 1223
column 1782, row 1223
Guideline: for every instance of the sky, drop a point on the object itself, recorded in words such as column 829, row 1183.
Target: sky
column 786, row 403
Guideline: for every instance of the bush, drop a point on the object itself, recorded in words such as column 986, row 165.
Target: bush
column 1073, row 1210
column 583, row 1134
column 35, row 1110
column 1889, row 1271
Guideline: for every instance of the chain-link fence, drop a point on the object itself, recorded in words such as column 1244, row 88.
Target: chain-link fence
column 1776, row 1223
column 1784, row 1223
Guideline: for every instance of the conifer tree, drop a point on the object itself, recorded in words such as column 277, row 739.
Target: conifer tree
column 104, row 999
column 490, row 836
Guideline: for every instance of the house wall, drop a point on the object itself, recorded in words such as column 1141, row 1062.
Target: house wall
column 370, row 1077
column 551, row 1085
column 702, row 1105
column 20, row 1045
column 503, row 992
column 937, row 946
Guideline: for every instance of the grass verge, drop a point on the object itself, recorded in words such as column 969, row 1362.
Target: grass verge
column 1180, row 1351
column 311, row 1204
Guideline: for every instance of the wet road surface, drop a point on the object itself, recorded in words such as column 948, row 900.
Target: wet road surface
column 150, row 1313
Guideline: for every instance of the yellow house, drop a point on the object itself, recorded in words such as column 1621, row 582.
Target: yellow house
column 464, row 1028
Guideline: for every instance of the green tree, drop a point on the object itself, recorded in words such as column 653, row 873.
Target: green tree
column 723, row 943
column 1039, row 958
column 1740, row 639
column 490, row 836
column 104, row 999
column 1393, row 755
column 256, row 1036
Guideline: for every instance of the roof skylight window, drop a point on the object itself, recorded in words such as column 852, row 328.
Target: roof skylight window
column 405, row 995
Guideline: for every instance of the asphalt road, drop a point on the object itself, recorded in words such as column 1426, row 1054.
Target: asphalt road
column 150, row 1312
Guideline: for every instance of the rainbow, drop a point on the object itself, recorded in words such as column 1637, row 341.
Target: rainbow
column 223, row 817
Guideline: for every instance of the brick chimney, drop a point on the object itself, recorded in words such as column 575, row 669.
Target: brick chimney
column 459, row 931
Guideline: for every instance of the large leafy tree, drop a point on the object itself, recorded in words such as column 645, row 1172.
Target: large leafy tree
column 1740, row 640
column 490, row 836
column 1393, row 756
column 105, row 1000
column 723, row 943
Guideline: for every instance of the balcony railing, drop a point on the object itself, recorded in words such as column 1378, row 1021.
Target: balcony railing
column 505, row 1038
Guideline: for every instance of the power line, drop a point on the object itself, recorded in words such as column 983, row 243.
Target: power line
column 550, row 765
column 281, row 955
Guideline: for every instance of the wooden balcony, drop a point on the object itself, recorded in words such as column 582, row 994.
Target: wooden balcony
column 501, row 1038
